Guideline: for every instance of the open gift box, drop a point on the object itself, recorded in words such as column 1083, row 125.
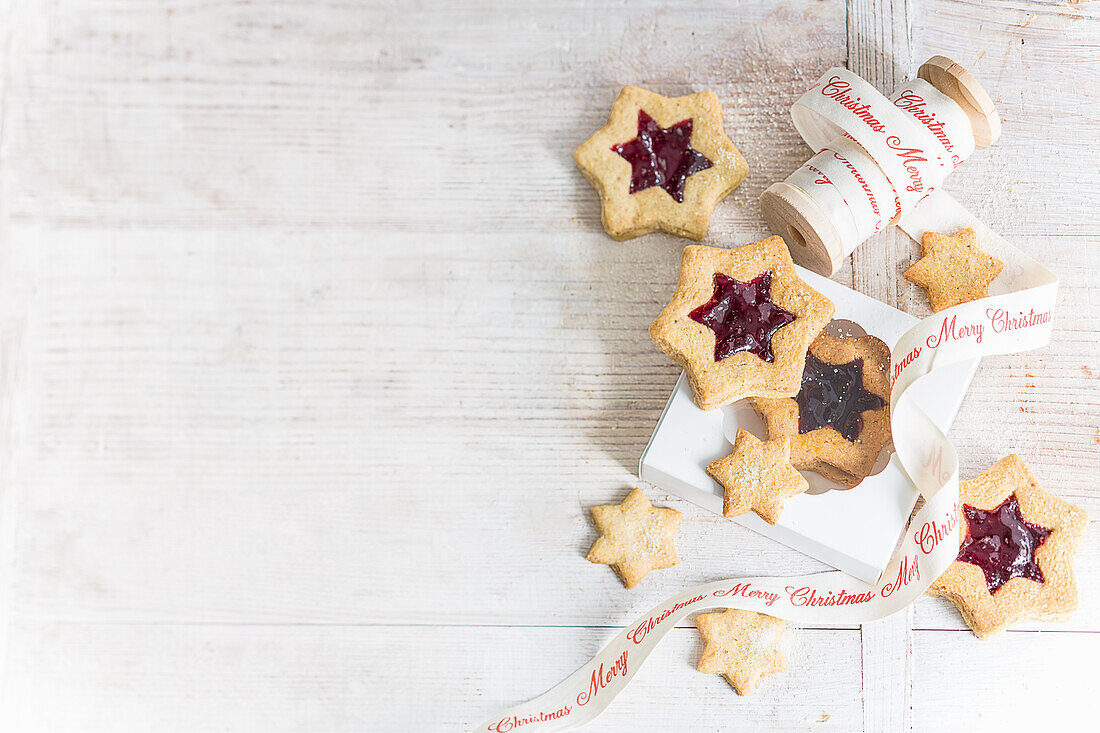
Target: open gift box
column 854, row 530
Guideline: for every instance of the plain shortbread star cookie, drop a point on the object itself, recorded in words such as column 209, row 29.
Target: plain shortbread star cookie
column 694, row 327
column 1018, row 540
column 757, row 476
column 635, row 537
column 953, row 270
column 661, row 163
column 742, row 646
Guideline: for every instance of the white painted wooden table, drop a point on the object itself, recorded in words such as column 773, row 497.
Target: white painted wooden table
column 313, row 355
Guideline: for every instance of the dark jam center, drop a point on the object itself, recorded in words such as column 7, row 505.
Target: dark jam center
column 1002, row 544
column 833, row 395
column 662, row 156
column 742, row 316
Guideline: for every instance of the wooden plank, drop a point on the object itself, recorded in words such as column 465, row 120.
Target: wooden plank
column 1043, row 403
column 13, row 300
column 383, row 116
column 291, row 678
column 226, row 429
column 1037, row 400
column 887, row 651
column 1019, row 681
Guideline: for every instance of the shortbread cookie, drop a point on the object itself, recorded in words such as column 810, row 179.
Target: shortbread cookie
column 740, row 322
column 1016, row 552
column 952, row 269
column 635, row 537
column 661, row 163
column 757, row 476
column 834, row 474
column 840, row 419
column 742, row 646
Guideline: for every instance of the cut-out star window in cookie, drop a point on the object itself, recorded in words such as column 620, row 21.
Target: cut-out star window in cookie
column 740, row 322
column 742, row 316
column 839, row 421
column 834, row 396
column 662, row 157
column 742, row 646
column 1002, row 543
column 661, row 163
column 952, row 269
column 635, row 537
column 757, row 476
column 1016, row 551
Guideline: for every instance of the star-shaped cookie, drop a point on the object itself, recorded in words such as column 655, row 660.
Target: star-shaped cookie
column 1017, row 545
column 661, row 163
column 742, row 646
column 839, row 421
column 740, row 322
column 635, row 537
column 952, row 269
column 757, row 476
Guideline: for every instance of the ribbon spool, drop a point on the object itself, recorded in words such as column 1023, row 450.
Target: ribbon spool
column 877, row 158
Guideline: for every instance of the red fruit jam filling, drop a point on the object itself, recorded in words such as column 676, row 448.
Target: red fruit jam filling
column 1002, row 543
column 833, row 395
column 662, row 156
column 742, row 316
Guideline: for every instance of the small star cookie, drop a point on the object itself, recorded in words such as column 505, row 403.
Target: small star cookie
column 757, row 476
column 953, row 270
column 839, row 421
column 740, row 322
column 1016, row 550
column 661, row 163
column 635, row 537
column 742, row 646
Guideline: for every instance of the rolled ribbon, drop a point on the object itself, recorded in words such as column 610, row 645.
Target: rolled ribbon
column 1017, row 316
column 877, row 158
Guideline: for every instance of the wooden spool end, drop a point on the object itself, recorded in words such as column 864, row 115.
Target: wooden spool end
column 810, row 236
column 956, row 82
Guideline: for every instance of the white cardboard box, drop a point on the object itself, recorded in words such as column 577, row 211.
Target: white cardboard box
column 854, row 530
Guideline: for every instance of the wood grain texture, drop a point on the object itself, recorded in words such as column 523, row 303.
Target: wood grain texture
column 1019, row 681
column 304, row 302
column 339, row 678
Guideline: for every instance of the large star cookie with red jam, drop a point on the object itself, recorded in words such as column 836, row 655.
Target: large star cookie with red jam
column 740, row 322
column 952, row 269
column 635, row 537
column 661, row 163
column 839, row 421
column 742, row 646
column 1017, row 544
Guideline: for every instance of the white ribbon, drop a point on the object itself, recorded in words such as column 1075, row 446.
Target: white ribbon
column 880, row 157
column 838, row 112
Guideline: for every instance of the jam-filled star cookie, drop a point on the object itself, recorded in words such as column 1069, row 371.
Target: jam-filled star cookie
column 635, row 537
column 661, row 163
column 740, row 322
column 1016, row 551
column 757, row 476
column 742, row 646
column 840, row 419
column 952, row 269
